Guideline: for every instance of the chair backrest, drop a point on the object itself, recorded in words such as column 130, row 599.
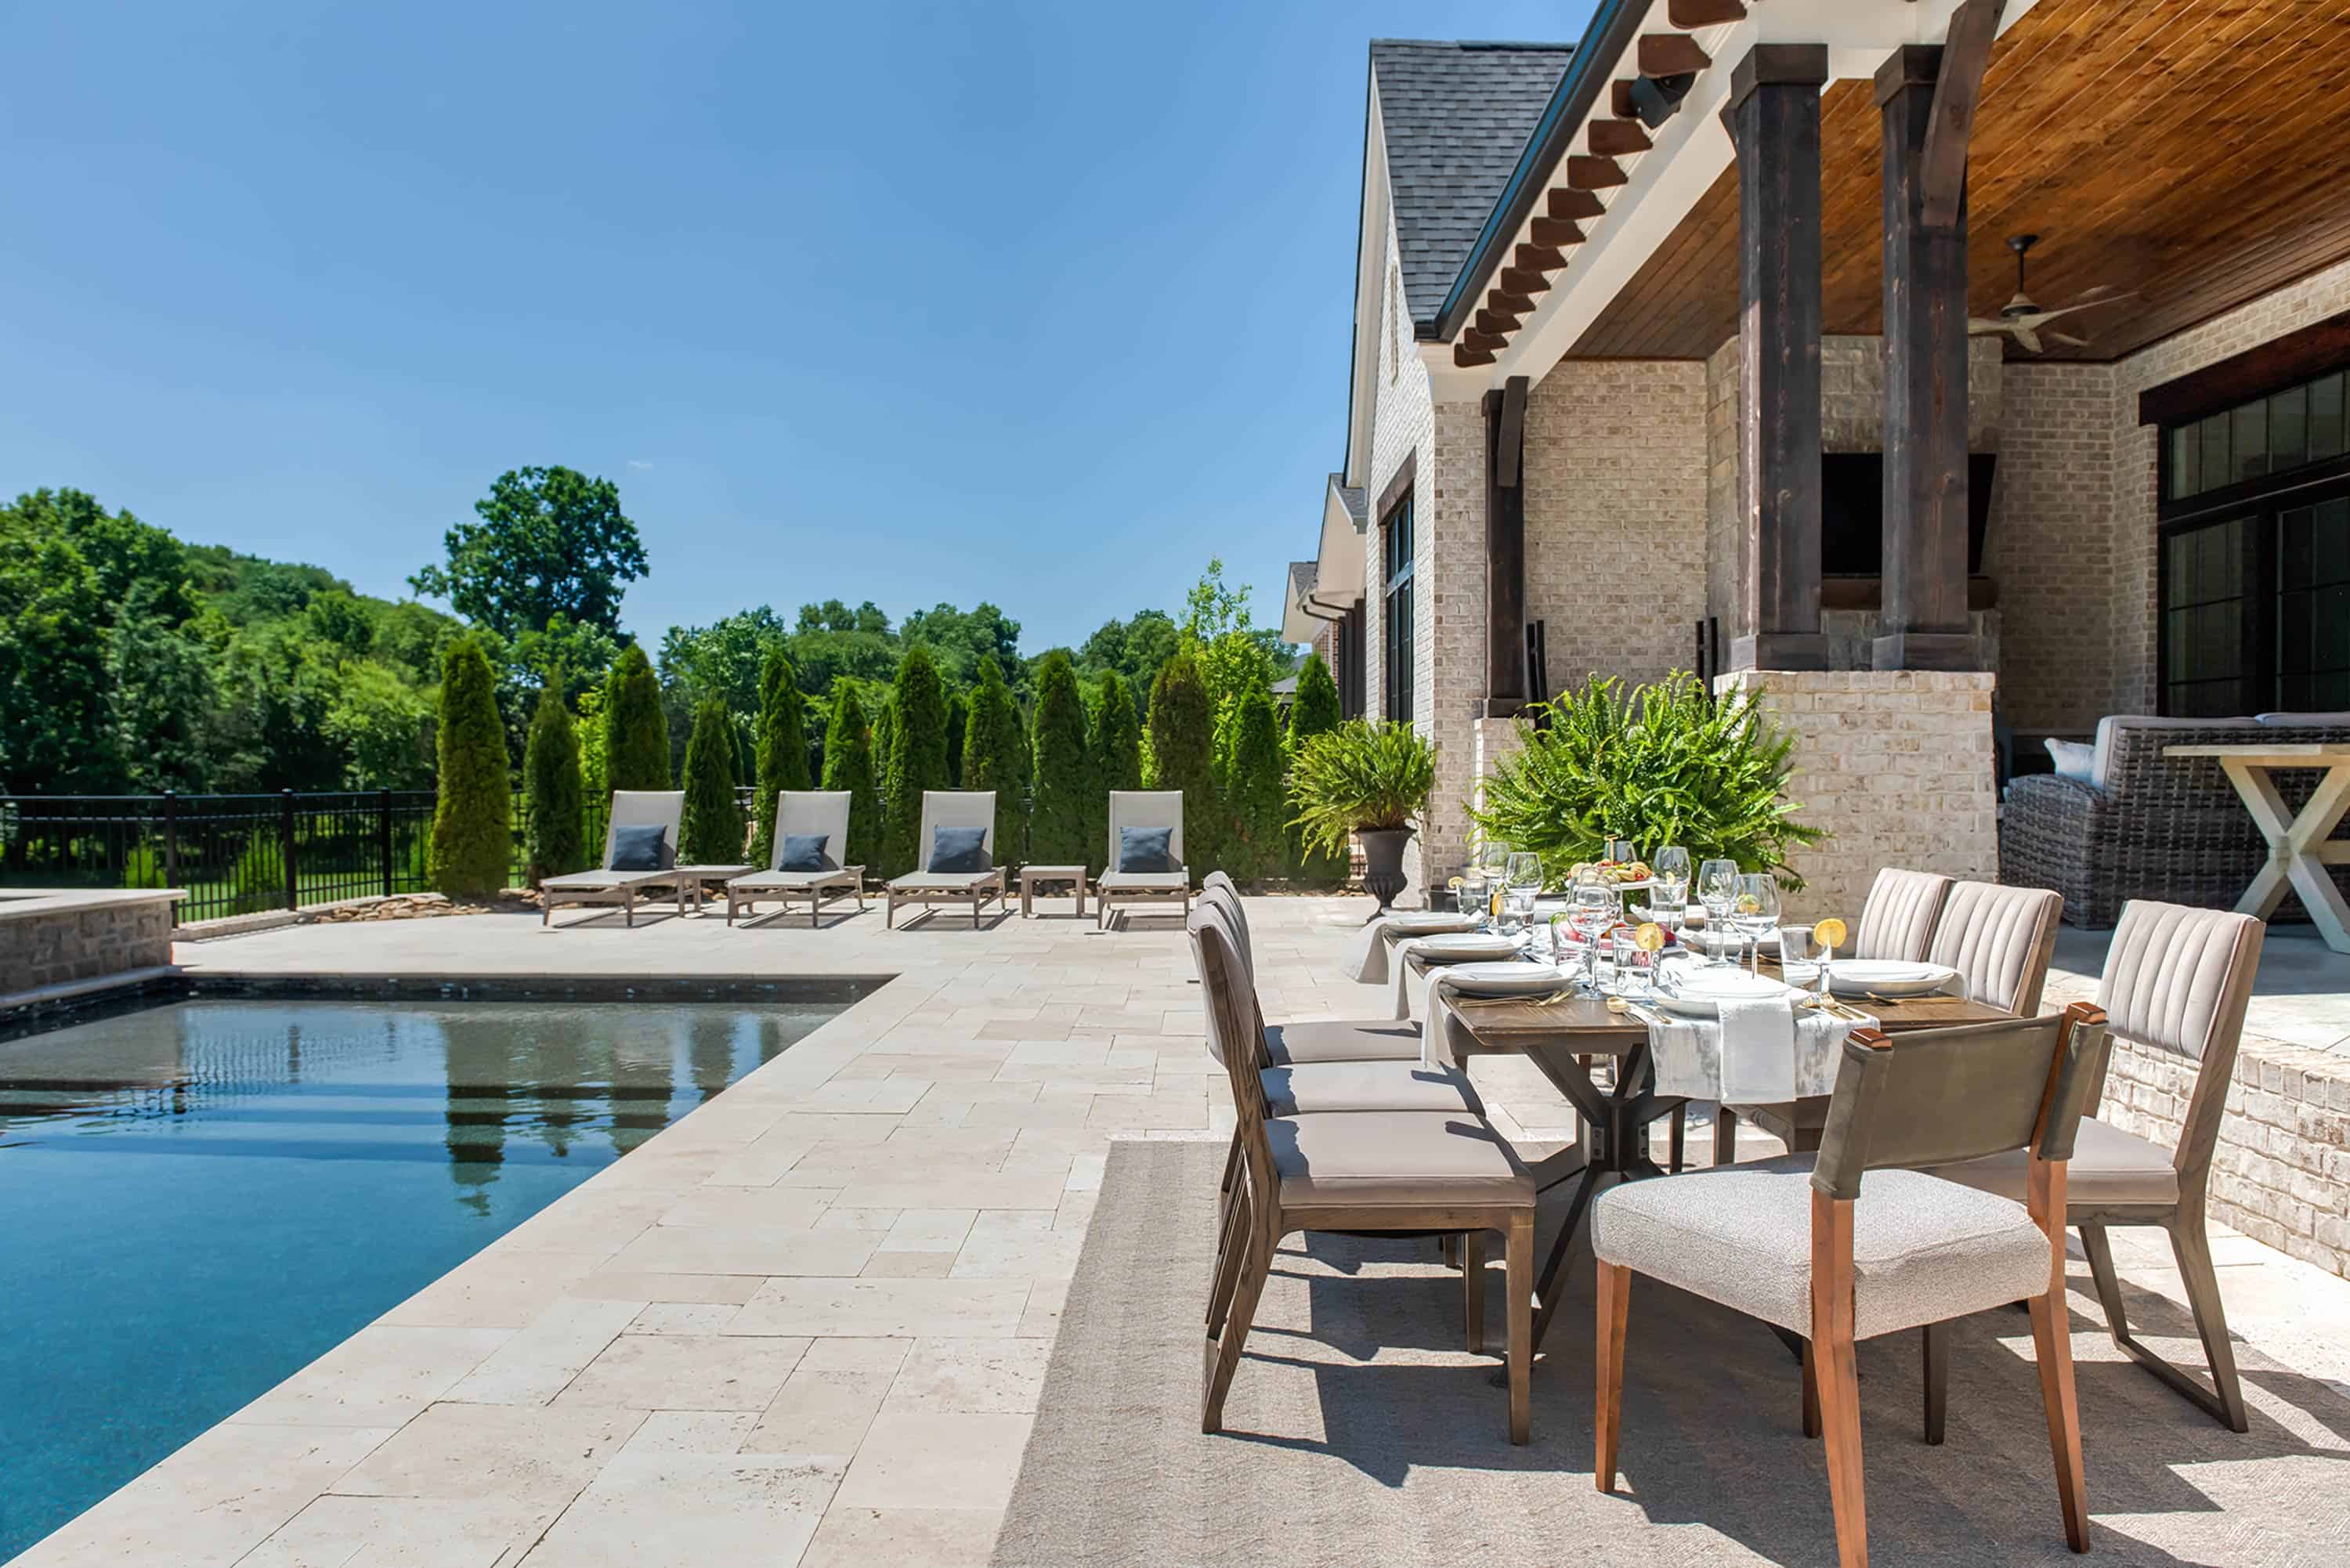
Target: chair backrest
column 1231, row 1014
column 1941, row 1097
column 1146, row 808
column 2000, row 939
column 645, row 808
column 823, row 811
column 2179, row 980
column 955, row 808
column 1898, row 922
column 1248, row 1013
column 1219, row 889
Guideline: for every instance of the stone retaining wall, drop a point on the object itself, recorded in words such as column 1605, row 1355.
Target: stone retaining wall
column 61, row 946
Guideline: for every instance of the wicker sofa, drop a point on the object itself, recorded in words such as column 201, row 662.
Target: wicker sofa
column 2151, row 826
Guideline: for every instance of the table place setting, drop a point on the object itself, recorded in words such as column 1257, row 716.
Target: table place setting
column 1369, row 957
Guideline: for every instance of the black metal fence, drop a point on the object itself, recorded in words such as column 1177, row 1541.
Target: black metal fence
column 239, row 854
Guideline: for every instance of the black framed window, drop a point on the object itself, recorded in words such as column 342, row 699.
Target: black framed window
column 1397, row 621
column 1347, row 644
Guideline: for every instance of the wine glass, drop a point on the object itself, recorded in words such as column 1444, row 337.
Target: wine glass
column 1755, row 912
column 1596, row 911
column 1493, row 860
column 1717, row 889
column 1669, row 898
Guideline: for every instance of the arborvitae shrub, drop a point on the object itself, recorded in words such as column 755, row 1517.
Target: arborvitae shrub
column 1115, row 747
column 1253, row 840
column 555, row 833
column 994, row 756
column 473, row 829
column 783, row 760
column 1183, row 738
column 636, row 730
column 1315, row 712
column 848, row 765
column 917, row 759
column 1065, row 785
column 710, row 833
column 958, row 721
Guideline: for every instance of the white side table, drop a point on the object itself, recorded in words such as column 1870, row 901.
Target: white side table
column 1030, row 876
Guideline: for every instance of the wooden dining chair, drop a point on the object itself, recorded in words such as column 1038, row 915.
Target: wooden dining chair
column 1401, row 1173
column 2176, row 983
column 1804, row 1243
column 1898, row 920
column 2000, row 939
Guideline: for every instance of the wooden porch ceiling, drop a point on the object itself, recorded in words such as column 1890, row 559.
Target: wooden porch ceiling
column 2190, row 150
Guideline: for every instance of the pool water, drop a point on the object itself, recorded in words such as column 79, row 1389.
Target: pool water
column 198, row 1199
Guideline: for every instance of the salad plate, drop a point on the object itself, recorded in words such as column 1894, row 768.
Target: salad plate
column 1458, row 947
column 1695, row 991
column 1887, row 977
column 1505, row 978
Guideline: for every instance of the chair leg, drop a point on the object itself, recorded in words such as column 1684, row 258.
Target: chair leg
column 2052, row 1346
column 1839, row 1380
column 1518, row 1256
column 1472, row 1288
column 1607, row 1410
column 1232, row 1162
column 1725, row 1137
column 1811, row 1394
column 1237, row 1220
column 1676, row 1140
column 1254, row 1248
column 2192, row 1248
column 1935, row 1341
column 2099, row 1249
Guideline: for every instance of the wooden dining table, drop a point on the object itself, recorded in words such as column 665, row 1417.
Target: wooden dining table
column 1566, row 1036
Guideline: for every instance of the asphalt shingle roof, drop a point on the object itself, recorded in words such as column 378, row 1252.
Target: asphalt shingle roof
column 1456, row 117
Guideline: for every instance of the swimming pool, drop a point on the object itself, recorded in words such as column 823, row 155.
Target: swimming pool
column 198, row 1199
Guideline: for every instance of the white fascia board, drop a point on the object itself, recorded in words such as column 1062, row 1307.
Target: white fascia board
column 1371, row 292
column 1690, row 151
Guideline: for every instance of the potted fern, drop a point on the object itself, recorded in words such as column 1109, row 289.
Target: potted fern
column 1663, row 764
column 1366, row 781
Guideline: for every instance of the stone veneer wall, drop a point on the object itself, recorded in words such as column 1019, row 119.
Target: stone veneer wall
column 1895, row 765
column 55, row 949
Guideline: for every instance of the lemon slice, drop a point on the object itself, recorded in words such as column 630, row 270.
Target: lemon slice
column 1456, row 885
column 1829, row 933
column 1650, row 938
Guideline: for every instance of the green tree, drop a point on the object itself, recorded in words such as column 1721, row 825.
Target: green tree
column 636, row 729
column 884, row 711
column 380, row 724
column 1253, row 840
column 958, row 639
column 1065, row 780
column 710, row 832
column 1314, row 712
column 917, row 759
column 1114, row 747
column 52, row 662
column 555, row 827
column 848, row 765
column 473, row 832
column 957, row 722
column 550, row 541
column 783, row 747
column 995, row 756
column 1181, row 755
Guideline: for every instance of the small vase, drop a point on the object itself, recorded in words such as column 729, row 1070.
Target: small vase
column 1383, row 862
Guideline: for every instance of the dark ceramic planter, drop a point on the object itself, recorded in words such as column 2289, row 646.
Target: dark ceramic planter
column 1383, row 862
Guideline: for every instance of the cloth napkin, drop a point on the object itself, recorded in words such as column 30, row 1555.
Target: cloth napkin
column 1758, row 1049
column 1692, row 1060
column 1367, row 959
column 1408, row 993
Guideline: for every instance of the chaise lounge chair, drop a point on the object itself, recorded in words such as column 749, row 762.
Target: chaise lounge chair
column 803, row 815
column 971, row 869
column 1141, row 868
column 620, row 882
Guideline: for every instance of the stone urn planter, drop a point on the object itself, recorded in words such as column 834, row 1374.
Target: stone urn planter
column 1383, row 876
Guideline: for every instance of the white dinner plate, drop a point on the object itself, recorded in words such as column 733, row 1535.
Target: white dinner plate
column 1429, row 921
column 1887, row 977
column 1505, row 978
column 1696, row 938
column 1456, row 947
column 1696, row 989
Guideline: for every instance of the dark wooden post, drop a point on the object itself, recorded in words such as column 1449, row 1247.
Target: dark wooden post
column 1774, row 118
column 1926, row 94
column 1506, row 550
column 285, row 850
column 171, row 838
column 383, row 835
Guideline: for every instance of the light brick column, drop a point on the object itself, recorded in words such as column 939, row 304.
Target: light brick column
column 1895, row 765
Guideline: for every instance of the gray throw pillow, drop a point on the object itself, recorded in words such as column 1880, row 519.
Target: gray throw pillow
column 638, row 848
column 960, row 849
column 804, row 852
column 1146, row 850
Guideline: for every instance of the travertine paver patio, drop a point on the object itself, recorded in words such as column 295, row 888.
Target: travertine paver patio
column 807, row 1324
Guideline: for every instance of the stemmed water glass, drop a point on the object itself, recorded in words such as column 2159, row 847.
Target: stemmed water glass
column 1717, row 889
column 1520, row 880
column 1669, row 898
column 1595, row 910
column 1756, row 912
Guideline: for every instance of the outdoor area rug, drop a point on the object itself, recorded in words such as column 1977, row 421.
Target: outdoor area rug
column 1360, row 1435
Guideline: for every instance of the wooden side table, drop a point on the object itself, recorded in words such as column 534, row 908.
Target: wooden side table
column 1030, row 875
column 691, row 880
column 2301, row 846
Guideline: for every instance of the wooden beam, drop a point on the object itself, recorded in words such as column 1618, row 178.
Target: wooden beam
column 2281, row 362
column 1502, row 302
column 1495, row 324
column 1467, row 358
column 1556, row 232
column 1774, row 114
column 1488, row 340
column 1505, row 547
column 1539, row 258
column 1593, row 173
column 1575, row 206
column 1618, row 138
column 1704, row 13
column 1518, row 280
column 1957, row 91
column 1619, row 99
column 1671, row 55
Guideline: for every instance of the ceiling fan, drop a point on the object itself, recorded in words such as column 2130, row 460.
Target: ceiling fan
column 2021, row 317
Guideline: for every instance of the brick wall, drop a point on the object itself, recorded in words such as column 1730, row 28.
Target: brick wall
column 2051, row 548
column 54, row 948
column 1895, row 764
column 1450, row 573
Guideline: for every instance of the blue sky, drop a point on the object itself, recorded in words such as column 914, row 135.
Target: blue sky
column 1045, row 304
